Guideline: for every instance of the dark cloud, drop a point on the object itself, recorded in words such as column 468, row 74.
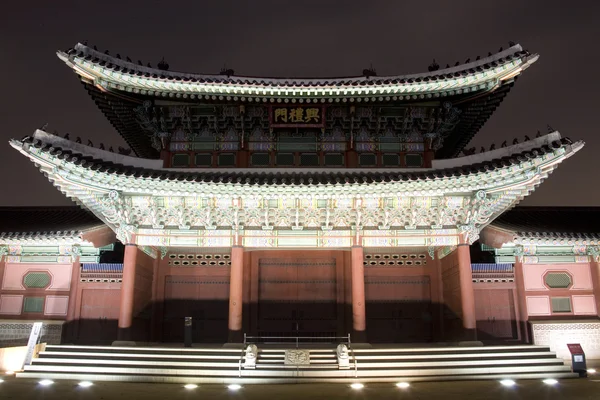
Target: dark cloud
column 303, row 38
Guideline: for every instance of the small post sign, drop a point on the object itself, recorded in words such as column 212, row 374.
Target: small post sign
column 578, row 359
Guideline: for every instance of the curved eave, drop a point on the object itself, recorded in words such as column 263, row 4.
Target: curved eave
column 110, row 73
column 64, row 165
column 43, row 238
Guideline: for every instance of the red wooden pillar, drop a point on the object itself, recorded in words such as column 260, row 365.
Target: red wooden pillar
column 71, row 323
column 359, row 322
column 521, row 300
column 236, row 280
column 127, row 292
column 467, row 295
column 154, row 301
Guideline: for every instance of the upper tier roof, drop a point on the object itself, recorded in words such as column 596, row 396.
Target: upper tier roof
column 475, row 89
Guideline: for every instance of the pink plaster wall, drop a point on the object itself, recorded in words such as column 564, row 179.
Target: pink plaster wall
column 56, row 305
column 11, row 304
column 14, row 272
column 584, row 304
column 533, row 275
column 538, row 305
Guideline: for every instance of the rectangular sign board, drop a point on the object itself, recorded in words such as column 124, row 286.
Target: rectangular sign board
column 297, row 116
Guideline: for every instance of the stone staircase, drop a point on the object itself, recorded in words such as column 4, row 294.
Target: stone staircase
column 223, row 365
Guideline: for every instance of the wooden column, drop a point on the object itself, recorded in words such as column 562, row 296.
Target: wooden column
column 521, row 300
column 154, row 301
column 236, row 280
column 467, row 295
column 71, row 325
column 127, row 292
column 359, row 322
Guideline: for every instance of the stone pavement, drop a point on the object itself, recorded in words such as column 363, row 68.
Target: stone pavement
column 572, row 389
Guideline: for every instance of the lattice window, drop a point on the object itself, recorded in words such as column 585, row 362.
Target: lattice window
column 309, row 159
column 36, row 280
column 200, row 259
column 203, row 160
column 334, row 160
column 414, row 160
column 389, row 160
column 285, row 159
column 367, row 160
column 226, row 160
column 260, row 159
column 180, row 160
column 33, row 304
column 558, row 280
column 561, row 304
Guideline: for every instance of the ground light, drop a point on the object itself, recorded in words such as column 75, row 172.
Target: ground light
column 402, row 385
column 357, row 386
column 550, row 381
column 190, row 386
column 507, row 382
column 46, row 382
column 1, row 380
column 85, row 384
column 591, row 371
column 9, row 372
column 233, row 387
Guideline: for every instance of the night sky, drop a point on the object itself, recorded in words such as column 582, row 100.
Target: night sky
column 304, row 38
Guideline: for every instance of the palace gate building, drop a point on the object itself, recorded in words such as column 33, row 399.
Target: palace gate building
column 292, row 207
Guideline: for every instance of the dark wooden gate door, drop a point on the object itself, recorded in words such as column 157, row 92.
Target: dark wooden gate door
column 495, row 312
column 398, row 309
column 297, row 297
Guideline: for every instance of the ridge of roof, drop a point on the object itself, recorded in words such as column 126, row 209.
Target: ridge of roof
column 85, row 51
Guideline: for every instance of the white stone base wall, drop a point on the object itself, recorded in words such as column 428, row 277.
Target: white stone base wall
column 16, row 332
column 557, row 334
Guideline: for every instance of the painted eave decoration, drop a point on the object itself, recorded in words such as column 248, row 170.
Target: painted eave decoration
column 160, row 207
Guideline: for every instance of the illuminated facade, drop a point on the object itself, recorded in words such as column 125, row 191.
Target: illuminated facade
column 289, row 207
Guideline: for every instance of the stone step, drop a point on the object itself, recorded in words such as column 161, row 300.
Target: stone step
column 68, row 370
column 287, row 380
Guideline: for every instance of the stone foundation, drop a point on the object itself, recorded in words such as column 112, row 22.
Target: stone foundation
column 557, row 334
column 16, row 332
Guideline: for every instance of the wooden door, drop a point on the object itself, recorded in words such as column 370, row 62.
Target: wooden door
column 99, row 316
column 495, row 313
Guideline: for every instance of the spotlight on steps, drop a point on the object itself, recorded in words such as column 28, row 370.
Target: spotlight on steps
column 233, row 387
column 591, row 370
column 85, row 384
column 507, row 382
column 402, row 385
column 1, row 380
column 190, row 386
column 550, row 381
column 46, row 382
column 9, row 372
column 357, row 386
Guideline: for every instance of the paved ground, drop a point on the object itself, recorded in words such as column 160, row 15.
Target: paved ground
column 572, row 389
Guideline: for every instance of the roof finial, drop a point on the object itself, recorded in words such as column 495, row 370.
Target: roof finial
column 369, row 72
column 226, row 71
column 433, row 66
column 162, row 65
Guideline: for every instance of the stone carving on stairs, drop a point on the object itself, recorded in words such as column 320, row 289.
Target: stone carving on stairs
column 343, row 357
column 297, row 357
column 250, row 356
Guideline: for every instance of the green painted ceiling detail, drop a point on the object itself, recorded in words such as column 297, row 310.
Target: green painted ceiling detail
column 36, row 280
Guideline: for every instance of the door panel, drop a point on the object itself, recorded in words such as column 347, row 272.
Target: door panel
column 297, row 296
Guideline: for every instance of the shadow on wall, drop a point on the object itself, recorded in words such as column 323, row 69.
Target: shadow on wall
column 387, row 322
